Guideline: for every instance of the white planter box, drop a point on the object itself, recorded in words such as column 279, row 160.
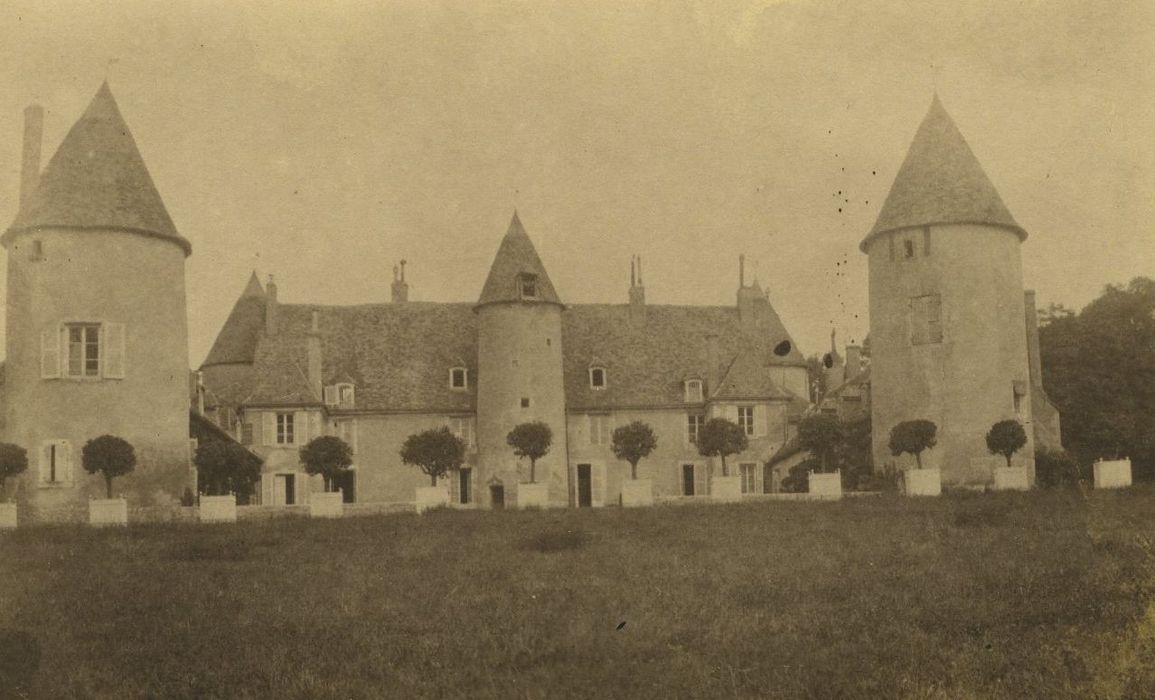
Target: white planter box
column 726, row 489
column 922, row 482
column 825, row 485
column 533, row 495
column 637, row 492
column 1012, row 479
column 429, row 497
column 7, row 516
column 1113, row 474
column 326, row 505
column 108, row 511
column 218, row 509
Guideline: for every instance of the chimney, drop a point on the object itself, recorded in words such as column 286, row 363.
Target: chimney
column 30, row 166
column 750, row 299
column 400, row 286
column 313, row 348
column 637, row 290
column 200, row 393
column 271, row 307
column 1034, row 359
column 713, row 371
column 853, row 361
column 741, row 270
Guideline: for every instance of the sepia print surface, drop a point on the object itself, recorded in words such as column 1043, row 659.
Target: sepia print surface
column 766, row 348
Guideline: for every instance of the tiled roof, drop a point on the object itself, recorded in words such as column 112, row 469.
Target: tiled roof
column 237, row 341
column 941, row 182
column 399, row 355
column 516, row 256
column 98, row 180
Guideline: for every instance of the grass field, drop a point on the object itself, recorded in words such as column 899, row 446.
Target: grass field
column 1046, row 594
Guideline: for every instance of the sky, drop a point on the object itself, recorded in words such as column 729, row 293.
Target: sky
column 322, row 142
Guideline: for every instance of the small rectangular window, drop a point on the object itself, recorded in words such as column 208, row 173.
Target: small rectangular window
column 525, row 402
column 746, row 419
column 694, row 423
column 750, row 477
column 285, row 429
column 597, row 378
column 345, row 395
column 458, row 378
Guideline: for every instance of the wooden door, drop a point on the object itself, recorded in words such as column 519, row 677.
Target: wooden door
column 585, row 486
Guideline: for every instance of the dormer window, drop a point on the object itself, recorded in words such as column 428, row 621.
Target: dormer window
column 345, row 395
column 597, row 377
column 527, row 285
column 693, row 391
column 458, row 378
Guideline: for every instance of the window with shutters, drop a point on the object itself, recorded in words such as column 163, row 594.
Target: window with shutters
column 694, row 480
column 746, row 419
column 600, row 429
column 82, row 350
column 463, row 427
column 751, row 477
column 285, row 429
column 694, row 423
column 926, row 319
column 55, row 463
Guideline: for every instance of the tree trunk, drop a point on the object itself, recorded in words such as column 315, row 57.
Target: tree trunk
column 108, row 484
column 725, row 469
column 434, row 478
column 1008, row 460
column 532, row 471
column 824, row 461
column 633, row 471
column 918, row 459
column 328, row 483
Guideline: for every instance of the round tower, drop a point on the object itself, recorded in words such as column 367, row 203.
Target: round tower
column 97, row 333
column 947, row 317
column 519, row 377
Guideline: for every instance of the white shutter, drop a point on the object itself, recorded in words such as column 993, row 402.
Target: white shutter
column 761, row 421
column 64, row 461
column 701, row 483
column 50, row 353
column 316, row 429
column 269, row 428
column 330, row 395
column 114, row 357
column 268, row 481
column 454, row 478
column 45, row 462
column 300, row 428
column 598, row 484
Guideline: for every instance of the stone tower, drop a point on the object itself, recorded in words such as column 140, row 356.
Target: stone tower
column 947, row 315
column 97, row 332
column 519, row 360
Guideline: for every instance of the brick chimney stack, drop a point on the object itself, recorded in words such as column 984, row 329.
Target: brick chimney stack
column 637, row 290
column 271, row 307
column 400, row 291
column 313, row 349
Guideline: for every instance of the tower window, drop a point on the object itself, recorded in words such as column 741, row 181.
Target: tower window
column 525, row 402
column 527, row 285
column 597, row 377
column 83, row 348
column 926, row 319
column 908, row 248
column 458, row 378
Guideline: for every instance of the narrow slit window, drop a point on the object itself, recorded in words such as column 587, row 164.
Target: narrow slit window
column 527, row 283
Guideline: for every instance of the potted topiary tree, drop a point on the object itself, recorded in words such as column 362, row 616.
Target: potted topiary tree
column 914, row 437
column 721, row 438
column 1006, row 438
column 531, row 440
column 822, row 434
column 13, row 461
column 632, row 443
column 109, row 456
column 436, row 452
column 224, row 469
column 328, row 456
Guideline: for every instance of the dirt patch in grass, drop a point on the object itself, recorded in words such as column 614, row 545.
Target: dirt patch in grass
column 557, row 540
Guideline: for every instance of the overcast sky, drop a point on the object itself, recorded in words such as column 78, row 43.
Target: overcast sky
column 323, row 141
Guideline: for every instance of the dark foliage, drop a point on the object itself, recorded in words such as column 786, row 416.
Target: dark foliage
column 13, row 461
column 109, row 456
column 225, row 467
column 721, row 438
column 1006, row 438
column 1058, row 468
column 328, row 456
column 821, row 434
column 436, row 452
column 632, row 443
column 530, row 440
column 913, row 436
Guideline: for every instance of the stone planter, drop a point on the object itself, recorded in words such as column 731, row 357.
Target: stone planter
column 429, row 497
column 1012, row 479
column 825, row 485
column 7, row 516
column 532, row 495
column 104, row 512
column 327, row 505
column 218, row 509
column 726, row 489
column 637, row 492
column 1112, row 474
column 922, row 482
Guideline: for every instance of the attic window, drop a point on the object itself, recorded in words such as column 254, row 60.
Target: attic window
column 693, row 390
column 345, row 396
column 527, row 285
column 597, row 377
column 458, row 378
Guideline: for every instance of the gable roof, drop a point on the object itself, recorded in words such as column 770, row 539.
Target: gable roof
column 516, row 256
column 941, row 182
column 237, row 341
column 98, row 180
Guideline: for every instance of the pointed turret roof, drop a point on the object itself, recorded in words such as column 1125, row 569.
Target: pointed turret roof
column 515, row 257
column 98, row 180
column 237, row 341
column 941, row 182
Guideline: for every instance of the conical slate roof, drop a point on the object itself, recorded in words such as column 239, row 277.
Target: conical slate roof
column 941, row 182
column 516, row 256
column 237, row 341
column 98, row 180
